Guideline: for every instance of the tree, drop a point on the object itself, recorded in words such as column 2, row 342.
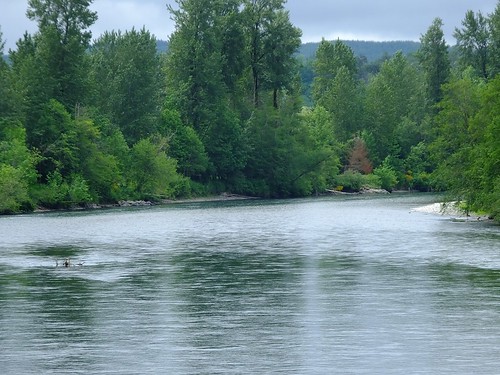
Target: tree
column 127, row 80
column 17, row 168
column 52, row 64
column 454, row 142
column 336, row 88
column 6, row 101
column 330, row 57
column 196, row 81
column 485, row 155
column 358, row 157
column 281, row 42
column 394, row 108
column 434, row 59
column 184, row 145
column 494, row 42
column 61, row 42
column 152, row 173
column 472, row 42
column 272, row 40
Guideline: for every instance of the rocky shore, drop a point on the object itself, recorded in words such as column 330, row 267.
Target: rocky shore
column 147, row 203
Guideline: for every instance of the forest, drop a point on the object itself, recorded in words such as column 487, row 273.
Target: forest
column 228, row 108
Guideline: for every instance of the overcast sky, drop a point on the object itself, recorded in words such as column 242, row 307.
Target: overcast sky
column 331, row 19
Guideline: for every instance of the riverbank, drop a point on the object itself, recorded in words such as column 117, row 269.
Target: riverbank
column 451, row 209
column 146, row 203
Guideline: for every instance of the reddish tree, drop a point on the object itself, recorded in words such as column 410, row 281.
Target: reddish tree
column 358, row 159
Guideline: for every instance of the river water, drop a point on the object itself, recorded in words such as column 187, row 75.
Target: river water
column 336, row 285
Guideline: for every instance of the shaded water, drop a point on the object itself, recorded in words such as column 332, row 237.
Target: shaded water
column 315, row 286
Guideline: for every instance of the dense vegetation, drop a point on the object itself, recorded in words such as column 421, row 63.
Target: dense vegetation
column 225, row 109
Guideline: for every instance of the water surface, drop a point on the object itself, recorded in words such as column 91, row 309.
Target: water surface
column 314, row 286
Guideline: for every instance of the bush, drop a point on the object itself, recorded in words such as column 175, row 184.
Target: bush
column 13, row 189
column 388, row 177
column 353, row 181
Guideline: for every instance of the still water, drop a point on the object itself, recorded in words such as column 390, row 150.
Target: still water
column 316, row 286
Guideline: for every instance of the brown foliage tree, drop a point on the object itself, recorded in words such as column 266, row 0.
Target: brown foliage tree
column 358, row 158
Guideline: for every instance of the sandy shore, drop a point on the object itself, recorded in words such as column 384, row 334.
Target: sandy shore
column 450, row 209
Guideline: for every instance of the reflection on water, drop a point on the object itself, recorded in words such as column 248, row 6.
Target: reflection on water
column 329, row 285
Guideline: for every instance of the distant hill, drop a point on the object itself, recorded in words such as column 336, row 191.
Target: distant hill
column 373, row 51
column 161, row 46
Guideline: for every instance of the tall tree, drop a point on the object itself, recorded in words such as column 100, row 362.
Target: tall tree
column 472, row 41
column 272, row 40
column 197, row 85
column 434, row 59
column 452, row 148
column 282, row 42
column 484, row 129
column 336, row 88
column 394, row 99
column 330, row 57
column 52, row 64
column 494, row 42
column 63, row 38
column 4, row 84
column 127, row 81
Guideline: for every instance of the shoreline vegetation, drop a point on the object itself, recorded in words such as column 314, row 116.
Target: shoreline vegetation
column 453, row 209
column 109, row 121
column 209, row 198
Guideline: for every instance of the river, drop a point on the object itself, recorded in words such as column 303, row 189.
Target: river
column 334, row 285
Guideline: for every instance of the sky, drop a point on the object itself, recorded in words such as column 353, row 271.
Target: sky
column 376, row 20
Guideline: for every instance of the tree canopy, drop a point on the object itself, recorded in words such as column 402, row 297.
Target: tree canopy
column 229, row 107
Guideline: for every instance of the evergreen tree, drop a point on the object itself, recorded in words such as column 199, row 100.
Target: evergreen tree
column 434, row 59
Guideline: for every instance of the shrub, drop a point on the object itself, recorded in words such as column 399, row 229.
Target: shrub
column 388, row 177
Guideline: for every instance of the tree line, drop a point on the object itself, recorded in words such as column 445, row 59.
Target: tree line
column 87, row 121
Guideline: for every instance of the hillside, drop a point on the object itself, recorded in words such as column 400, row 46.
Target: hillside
column 373, row 51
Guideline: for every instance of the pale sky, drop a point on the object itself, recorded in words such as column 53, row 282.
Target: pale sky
column 345, row 19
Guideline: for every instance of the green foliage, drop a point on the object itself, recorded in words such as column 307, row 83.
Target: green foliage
column 484, row 166
column 494, row 39
column 387, row 175
column 13, row 189
column 17, row 168
column 353, row 181
column 472, row 42
column 372, row 51
column 395, row 102
column 288, row 155
column 184, row 145
column 152, row 173
column 60, row 192
column 418, row 168
column 222, row 111
column 126, row 72
column 60, row 46
column 434, row 59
